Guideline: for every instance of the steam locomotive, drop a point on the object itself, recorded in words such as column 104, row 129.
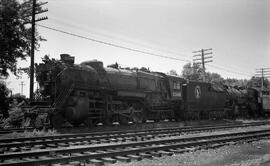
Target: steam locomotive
column 90, row 93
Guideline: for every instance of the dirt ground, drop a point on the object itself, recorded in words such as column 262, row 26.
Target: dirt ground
column 246, row 154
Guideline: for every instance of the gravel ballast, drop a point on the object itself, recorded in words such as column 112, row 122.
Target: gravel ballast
column 247, row 154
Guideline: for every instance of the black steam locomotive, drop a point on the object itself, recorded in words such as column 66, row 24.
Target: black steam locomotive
column 90, row 93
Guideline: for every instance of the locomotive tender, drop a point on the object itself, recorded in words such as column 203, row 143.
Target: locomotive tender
column 90, row 93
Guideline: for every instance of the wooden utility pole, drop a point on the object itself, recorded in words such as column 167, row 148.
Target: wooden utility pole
column 202, row 60
column 33, row 22
column 263, row 73
column 22, row 84
column 32, row 50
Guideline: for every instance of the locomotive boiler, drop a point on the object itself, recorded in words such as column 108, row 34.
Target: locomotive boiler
column 91, row 93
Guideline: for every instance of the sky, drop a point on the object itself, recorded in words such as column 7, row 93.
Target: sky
column 238, row 31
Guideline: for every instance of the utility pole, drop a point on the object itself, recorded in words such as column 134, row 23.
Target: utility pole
column 263, row 73
column 203, row 59
column 33, row 22
column 22, row 84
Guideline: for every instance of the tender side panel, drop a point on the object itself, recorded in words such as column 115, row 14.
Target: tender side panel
column 203, row 99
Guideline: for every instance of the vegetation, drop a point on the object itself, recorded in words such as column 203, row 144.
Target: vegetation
column 173, row 72
column 15, row 34
column 4, row 102
column 256, row 82
column 34, row 133
column 195, row 72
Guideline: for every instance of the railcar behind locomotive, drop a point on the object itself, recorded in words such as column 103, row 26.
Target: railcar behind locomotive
column 90, row 93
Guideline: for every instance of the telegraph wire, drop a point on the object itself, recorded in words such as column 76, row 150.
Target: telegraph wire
column 110, row 36
column 112, row 44
column 134, row 50
column 230, row 71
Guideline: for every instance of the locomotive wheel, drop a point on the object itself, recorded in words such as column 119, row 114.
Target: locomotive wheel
column 123, row 120
column 56, row 119
column 137, row 117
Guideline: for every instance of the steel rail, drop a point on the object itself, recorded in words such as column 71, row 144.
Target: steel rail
column 18, row 142
column 188, row 128
column 11, row 130
column 126, row 148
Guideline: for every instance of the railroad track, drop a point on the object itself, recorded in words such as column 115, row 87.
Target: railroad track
column 66, row 140
column 126, row 151
column 18, row 130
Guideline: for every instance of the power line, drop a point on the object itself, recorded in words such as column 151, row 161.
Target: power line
column 71, row 24
column 263, row 73
column 230, row 71
column 111, row 44
column 135, row 50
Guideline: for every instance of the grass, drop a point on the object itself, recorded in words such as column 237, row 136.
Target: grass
column 34, row 133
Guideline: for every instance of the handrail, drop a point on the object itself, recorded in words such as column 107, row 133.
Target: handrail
column 56, row 81
column 63, row 95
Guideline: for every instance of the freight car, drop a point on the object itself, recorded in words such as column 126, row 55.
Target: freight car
column 91, row 93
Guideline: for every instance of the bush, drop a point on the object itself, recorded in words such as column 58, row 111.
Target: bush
column 4, row 102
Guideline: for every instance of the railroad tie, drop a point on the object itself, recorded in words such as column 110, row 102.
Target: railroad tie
column 122, row 158
column 95, row 142
column 76, row 154
column 109, row 160
column 63, row 145
column 101, row 151
column 51, row 145
column 105, row 141
column 2, row 150
column 190, row 149
column 217, row 145
column 134, row 157
column 156, row 154
column 85, row 142
column 75, row 163
column 113, row 140
column 28, row 159
column 94, row 162
column 146, row 155
column 15, row 149
column 56, row 165
column 79, row 143
column 26, row 148
column 166, row 153
column 44, row 157
column 178, row 150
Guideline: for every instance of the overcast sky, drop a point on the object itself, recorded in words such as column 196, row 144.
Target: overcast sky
column 237, row 30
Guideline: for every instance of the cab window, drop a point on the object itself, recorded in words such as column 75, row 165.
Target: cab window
column 176, row 85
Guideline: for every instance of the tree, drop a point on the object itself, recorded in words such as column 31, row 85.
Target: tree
column 214, row 78
column 192, row 72
column 256, row 82
column 173, row 72
column 15, row 35
column 4, row 104
column 42, row 70
column 144, row 69
column 236, row 82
